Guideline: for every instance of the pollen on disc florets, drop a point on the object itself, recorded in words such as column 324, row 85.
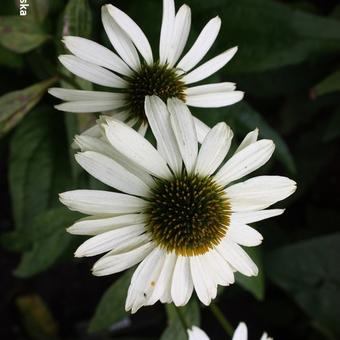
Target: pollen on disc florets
column 188, row 214
column 155, row 79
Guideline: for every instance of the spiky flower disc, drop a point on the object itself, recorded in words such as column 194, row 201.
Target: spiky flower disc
column 177, row 213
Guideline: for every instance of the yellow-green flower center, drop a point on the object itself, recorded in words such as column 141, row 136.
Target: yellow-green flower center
column 188, row 214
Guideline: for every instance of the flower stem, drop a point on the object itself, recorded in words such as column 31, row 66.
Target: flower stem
column 181, row 318
column 221, row 319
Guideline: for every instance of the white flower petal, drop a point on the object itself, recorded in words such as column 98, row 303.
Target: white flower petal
column 91, row 72
column 168, row 21
column 250, row 138
column 201, row 46
column 246, row 161
column 120, row 40
column 210, row 88
column 111, row 264
column 88, row 143
column 92, row 202
column 133, row 31
column 81, row 95
column 143, row 128
column 259, row 192
column 220, row 268
column 254, row 216
column 241, row 332
column 109, row 240
column 93, row 131
column 159, row 120
column 144, row 280
column 265, row 337
column 196, row 333
column 184, row 129
column 136, row 148
column 110, row 172
column 95, row 225
column 217, row 99
column 96, row 54
column 180, row 34
column 181, row 286
column 209, row 67
column 162, row 290
column 237, row 257
column 203, row 284
column 201, row 129
column 214, row 149
column 89, row 106
column 244, row 235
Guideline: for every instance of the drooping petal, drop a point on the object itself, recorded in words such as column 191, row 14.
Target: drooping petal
column 93, row 202
column 209, row 67
column 91, row 72
column 159, row 120
column 109, row 240
column 204, row 286
column 184, row 129
column 138, row 149
column 144, row 280
column 214, row 149
column 111, row 264
column 180, row 34
column 133, row 31
column 259, row 192
column 250, row 138
column 196, row 333
column 96, row 54
column 244, row 235
column 246, row 161
column 201, row 46
column 168, row 22
column 89, row 106
column 109, row 172
column 162, row 290
column 95, row 225
column 120, row 40
column 181, row 286
column 237, row 257
column 217, row 99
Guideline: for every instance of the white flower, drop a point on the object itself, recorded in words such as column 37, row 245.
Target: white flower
column 184, row 223
column 133, row 72
column 241, row 333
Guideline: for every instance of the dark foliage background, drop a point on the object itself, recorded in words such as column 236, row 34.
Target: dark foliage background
column 289, row 66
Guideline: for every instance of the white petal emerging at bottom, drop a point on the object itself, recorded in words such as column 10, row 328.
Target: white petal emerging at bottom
column 144, row 280
column 241, row 332
column 196, row 333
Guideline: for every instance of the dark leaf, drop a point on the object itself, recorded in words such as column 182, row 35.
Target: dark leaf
column 329, row 84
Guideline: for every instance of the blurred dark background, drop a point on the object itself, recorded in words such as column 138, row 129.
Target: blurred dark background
column 288, row 64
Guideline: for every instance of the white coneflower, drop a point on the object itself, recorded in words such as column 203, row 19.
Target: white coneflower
column 241, row 333
column 134, row 73
column 177, row 212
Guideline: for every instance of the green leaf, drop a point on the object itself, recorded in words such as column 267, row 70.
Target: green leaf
column 309, row 272
column 50, row 241
column 20, row 34
column 39, row 9
column 111, row 307
column 38, row 166
column 77, row 19
column 10, row 59
column 255, row 284
column 333, row 129
column 15, row 105
column 328, row 85
column 176, row 327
